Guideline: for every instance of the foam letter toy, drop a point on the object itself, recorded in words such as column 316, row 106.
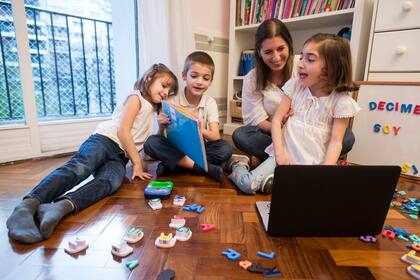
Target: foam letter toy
column 177, row 222
column 245, row 264
column 231, row 254
column 415, row 170
column 179, row 200
column 388, row 233
column 165, row 241
column 414, row 246
column 207, row 227
column 368, row 239
column 377, row 128
column 183, row 233
column 405, row 168
column 155, row 203
column 133, row 235
column 265, row 255
column 414, row 270
column 121, row 250
column 411, row 258
column 372, row 105
column 415, row 238
column 76, row 246
column 386, row 129
column 396, row 130
column 132, row 264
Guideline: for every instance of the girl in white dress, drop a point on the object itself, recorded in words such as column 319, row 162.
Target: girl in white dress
column 322, row 109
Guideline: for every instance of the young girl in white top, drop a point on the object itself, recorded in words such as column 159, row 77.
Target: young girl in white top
column 104, row 155
column 321, row 111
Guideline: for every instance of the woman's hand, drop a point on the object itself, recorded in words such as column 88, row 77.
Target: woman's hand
column 138, row 172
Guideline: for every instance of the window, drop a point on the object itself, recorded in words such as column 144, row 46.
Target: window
column 70, row 45
column 73, row 73
column 11, row 99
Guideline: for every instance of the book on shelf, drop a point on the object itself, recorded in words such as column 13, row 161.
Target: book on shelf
column 184, row 133
column 246, row 63
column 256, row 11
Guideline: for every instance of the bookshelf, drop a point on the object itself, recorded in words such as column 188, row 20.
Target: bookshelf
column 241, row 37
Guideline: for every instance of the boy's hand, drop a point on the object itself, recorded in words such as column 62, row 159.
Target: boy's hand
column 138, row 172
column 283, row 159
column 162, row 119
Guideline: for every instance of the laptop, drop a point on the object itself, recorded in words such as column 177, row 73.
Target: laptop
column 327, row 200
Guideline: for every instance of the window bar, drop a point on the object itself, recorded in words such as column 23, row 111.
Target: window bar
column 55, row 62
column 39, row 65
column 97, row 67
column 84, row 66
column 71, row 66
column 5, row 77
column 110, row 66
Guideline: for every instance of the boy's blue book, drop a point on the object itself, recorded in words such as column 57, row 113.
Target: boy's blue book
column 183, row 132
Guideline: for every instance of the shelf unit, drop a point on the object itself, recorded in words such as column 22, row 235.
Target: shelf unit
column 394, row 39
column 242, row 37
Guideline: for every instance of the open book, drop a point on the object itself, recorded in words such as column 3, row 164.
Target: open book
column 183, row 132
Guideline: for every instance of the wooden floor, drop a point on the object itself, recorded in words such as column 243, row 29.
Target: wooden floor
column 237, row 227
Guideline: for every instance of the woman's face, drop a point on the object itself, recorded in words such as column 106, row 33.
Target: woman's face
column 275, row 52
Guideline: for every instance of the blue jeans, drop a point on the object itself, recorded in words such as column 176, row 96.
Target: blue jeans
column 159, row 148
column 98, row 156
column 252, row 140
column 250, row 181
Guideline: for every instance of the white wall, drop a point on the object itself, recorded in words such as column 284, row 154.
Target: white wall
column 210, row 20
column 211, row 15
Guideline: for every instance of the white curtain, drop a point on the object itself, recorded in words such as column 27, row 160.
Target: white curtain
column 166, row 34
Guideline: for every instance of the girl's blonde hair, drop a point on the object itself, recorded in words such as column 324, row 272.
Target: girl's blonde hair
column 269, row 29
column 154, row 72
column 335, row 51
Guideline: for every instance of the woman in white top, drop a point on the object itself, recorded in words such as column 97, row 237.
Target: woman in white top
column 321, row 112
column 104, row 155
column 261, row 91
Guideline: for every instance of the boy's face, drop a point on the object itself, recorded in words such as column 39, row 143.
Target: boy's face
column 198, row 79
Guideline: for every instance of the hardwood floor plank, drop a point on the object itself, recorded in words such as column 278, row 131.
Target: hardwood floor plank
column 367, row 258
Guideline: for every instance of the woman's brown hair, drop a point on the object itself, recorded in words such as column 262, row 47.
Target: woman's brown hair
column 268, row 29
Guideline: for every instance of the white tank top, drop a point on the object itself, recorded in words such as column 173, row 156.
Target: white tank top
column 142, row 125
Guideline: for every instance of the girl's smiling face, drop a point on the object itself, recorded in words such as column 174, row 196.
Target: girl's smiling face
column 161, row 88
